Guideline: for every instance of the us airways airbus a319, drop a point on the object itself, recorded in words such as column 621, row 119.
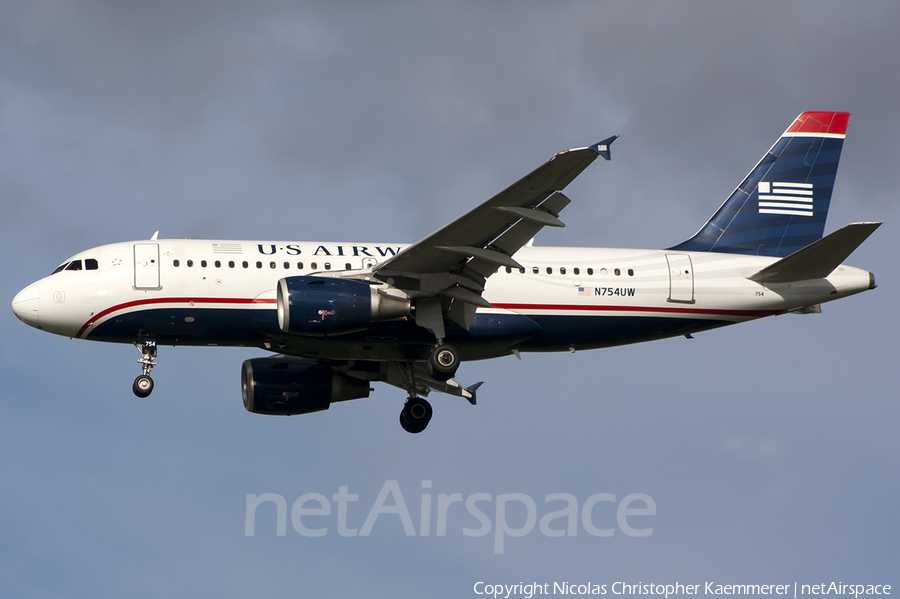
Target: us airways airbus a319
column 340, row 316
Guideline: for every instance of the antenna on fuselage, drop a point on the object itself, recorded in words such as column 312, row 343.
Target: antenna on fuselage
column 155, row 235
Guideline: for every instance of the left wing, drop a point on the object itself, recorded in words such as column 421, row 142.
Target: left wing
column 455, row 261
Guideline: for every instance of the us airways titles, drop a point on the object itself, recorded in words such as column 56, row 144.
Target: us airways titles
column 364, row 251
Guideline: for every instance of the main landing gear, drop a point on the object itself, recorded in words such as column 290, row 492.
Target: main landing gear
column 442, row 364
column 416, row 414
column 143, row 384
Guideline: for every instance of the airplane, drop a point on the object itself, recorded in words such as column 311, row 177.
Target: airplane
column 339, row 316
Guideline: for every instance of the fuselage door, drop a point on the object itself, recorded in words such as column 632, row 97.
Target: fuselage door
column 681, row 278
column 146, row 266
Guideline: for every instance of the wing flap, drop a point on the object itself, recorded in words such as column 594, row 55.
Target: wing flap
column 535, row 215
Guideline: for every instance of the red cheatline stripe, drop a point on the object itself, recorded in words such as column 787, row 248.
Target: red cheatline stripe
column 620, row 308
column 820, row 122
column 171, row 300
column 544, row 307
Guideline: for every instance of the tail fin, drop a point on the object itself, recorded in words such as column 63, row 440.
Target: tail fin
column 782, row 204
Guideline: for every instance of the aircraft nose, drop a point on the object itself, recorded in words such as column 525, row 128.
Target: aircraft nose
column 25, row 305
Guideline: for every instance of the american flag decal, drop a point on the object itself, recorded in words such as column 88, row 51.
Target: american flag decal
column 584, row 291
column 794, row 199
column 226, row 248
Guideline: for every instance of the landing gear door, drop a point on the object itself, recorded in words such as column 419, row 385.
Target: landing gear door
column 681, row 278
column 146, row 266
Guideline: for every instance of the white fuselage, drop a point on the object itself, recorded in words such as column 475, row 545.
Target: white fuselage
column 202, row 292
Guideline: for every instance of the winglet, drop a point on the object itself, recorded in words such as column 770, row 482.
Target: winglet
column 602, row 147
column 472, row 390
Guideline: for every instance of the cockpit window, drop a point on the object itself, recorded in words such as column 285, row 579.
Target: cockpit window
column 90, row 264
column 74, row 265
column 60, row 268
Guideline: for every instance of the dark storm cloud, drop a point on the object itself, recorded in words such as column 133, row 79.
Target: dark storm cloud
column 390, row 102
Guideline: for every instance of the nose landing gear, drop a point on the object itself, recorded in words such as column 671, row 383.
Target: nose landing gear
column 143, row 384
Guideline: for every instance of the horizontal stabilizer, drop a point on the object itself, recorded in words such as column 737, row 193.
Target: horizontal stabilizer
column 818, row 259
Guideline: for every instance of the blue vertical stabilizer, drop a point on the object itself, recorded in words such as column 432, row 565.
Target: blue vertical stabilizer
column 782, row 204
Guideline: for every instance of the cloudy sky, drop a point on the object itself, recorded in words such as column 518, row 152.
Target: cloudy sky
column 769, row 449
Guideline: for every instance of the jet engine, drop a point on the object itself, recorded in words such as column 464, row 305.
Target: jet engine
column 322, row 306
column 283, row 386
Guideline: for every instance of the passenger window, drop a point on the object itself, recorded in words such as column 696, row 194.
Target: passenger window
column 576, row 271
column 590, row 271
column 258, row 264
column 176, row 263
column 328, row 266
column 218, row 264
column 522, row 270
column 271, row 265
column 562, row 270
column 347, row 266
column 300, row 266
column 74, row 265
column 190, row 263
column 203, row 263
column 287, row 265
column 549, row 270
column 231, row 264
column 618, row 272
column 535, row 270
column 508, row 270
column 313, row 266
column 245, row 264
column 90, row 264
column 630, row 272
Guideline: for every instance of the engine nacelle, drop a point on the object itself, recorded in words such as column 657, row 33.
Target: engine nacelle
column 323, row 305
column 284, row 385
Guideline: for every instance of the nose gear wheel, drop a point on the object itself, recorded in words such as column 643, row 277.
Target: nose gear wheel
column 143, row 386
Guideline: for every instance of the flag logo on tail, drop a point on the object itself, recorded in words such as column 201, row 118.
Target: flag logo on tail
column 793, row 199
